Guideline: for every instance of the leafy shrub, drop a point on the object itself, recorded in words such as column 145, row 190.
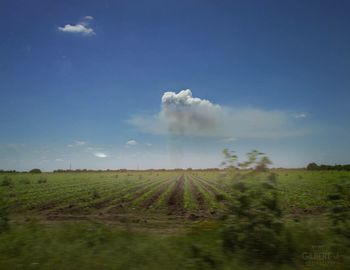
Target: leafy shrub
column 254, row 225
column 256, row 160
column 35, row 170
column 42, row 180
column 7, row 181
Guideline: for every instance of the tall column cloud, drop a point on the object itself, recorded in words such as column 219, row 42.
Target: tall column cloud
column 182, row 114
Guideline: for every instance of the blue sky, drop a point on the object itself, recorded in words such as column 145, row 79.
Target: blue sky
column 72, row 86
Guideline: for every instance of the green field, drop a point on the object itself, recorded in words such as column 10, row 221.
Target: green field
column 154, row 219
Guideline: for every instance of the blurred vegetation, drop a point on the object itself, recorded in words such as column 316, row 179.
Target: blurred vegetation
column 35, row 171
column 265, row 219
column 4, row 220
column 42, row 180
column 340, row 213
column 255, row 227
column 314, row 167
column 256, row 160
column 6, row 181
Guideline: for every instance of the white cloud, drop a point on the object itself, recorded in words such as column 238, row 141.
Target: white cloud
column 131, row 142
column 300, row 115
column 228, row 140
column 81, row 27
column 183, row 114
column 77, row 143
column 59, row 159
column 78, row 28
column 100, row 155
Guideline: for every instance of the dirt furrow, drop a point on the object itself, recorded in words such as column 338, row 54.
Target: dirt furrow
column 155, row 196
column 175, row 202
column 197, row 195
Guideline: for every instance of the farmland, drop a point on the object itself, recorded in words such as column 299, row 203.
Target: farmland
column 176, row 194
column 163, row 208
column 114, row 197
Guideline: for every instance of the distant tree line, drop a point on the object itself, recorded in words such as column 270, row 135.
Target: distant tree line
column 87, row 170
column 14, row 171
column 8, row 171
column 314, row 167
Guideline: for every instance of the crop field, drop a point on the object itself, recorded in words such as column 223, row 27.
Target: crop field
column 153, row 197
column 177, row 219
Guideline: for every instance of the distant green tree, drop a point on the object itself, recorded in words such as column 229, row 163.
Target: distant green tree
column 312, row 166
column 35, row 170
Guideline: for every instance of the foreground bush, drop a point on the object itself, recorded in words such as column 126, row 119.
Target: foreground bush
column 255, row 227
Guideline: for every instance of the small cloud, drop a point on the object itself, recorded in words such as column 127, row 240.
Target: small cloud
column 100, row 155
column 131, row 142
column 300, row 115
column 59, row 159
column 149, row 144
column 228, row 140
column 79, row 28
column 77, row 143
